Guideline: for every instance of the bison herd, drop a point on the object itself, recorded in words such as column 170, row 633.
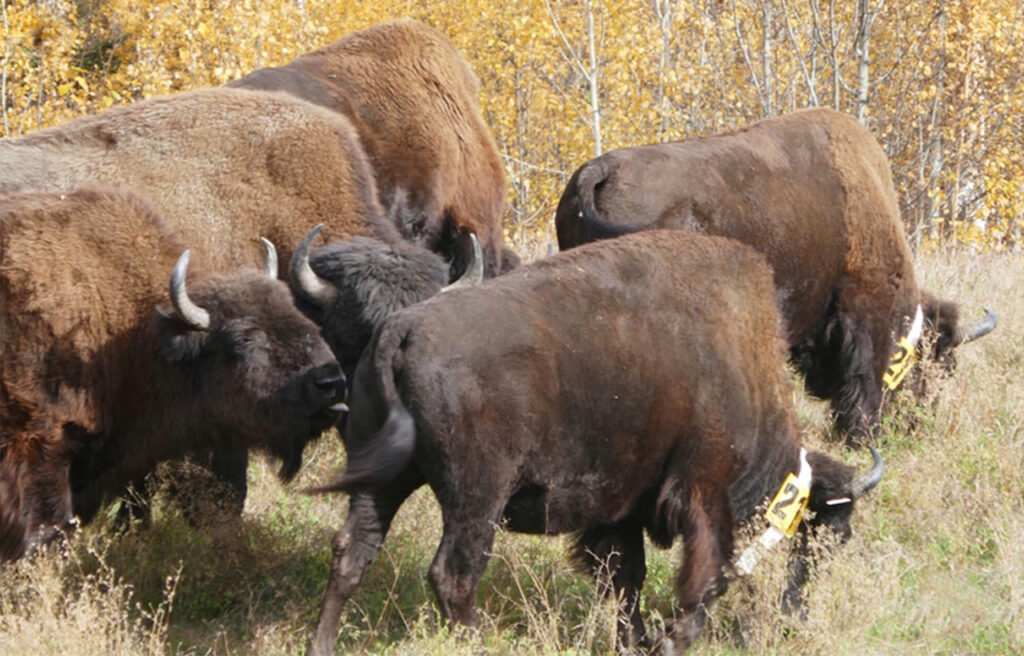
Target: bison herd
column 634, row 384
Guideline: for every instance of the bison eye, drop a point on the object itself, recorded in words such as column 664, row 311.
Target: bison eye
column 241, row 343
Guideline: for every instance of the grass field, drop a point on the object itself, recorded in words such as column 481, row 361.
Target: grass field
column 936, row 564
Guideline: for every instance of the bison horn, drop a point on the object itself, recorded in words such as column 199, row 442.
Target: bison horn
column 306, row 281
column 862, row 485
column 270, row 264
column 474, row 270
column 194, row 315
column 980, row 329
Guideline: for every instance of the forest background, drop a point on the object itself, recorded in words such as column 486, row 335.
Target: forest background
column 937, row 81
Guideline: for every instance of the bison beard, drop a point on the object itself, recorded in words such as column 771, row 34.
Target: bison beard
column 635, row 384
column 102, row 378
column 813, row 192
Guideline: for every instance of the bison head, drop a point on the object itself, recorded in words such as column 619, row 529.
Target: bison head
column 835, row 488
column 257, row 372
column 349, row 287
column 942, row 321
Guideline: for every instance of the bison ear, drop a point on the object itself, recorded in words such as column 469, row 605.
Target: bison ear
column 179, row 340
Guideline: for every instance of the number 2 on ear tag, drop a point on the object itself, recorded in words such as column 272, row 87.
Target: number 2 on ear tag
column 900, row 365
column 784, row 512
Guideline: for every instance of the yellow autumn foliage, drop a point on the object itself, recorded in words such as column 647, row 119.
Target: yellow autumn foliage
column 937, row 81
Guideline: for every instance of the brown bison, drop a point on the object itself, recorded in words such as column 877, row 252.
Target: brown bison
column 102, row 378
column 413, row 100
column 814, row 193
column 627, row 386
column 223, row 166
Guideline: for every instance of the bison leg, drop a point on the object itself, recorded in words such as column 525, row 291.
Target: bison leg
column 619, row 550
column 462, row 557
column 231, row 466
column 707, row 548
column 135, row 504
column 355, row 546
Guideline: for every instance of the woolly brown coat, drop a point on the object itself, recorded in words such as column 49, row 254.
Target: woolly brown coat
column 630, row 385
column 414, row 102
column 223, row 166
column 98, row 387
column 811, row 190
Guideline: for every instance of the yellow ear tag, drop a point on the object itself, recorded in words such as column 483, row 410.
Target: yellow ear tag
column 900, row 365
column 786, row 509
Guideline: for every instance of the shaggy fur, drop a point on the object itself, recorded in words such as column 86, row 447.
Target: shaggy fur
column 99, row 384
column 223, row 167
column 413, row 99
column 373, row 280
column 813, row 192
column 634, row 384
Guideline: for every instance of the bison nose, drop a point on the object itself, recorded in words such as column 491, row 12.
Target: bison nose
column 331, row 387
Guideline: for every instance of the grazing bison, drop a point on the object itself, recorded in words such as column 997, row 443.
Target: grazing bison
column 635, row 384
column 413, row 99
column 814, row 193
column 349, row 287
column 102, row 378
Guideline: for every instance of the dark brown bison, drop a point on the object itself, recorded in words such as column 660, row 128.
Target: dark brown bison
column 635, row 384
column 814, row 193
column 414, row 101
column 102, row 377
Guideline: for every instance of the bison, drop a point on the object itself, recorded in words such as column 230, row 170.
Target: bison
column 102, row 377
column 812, row 191
column 413, row 100
column 224, row 167
column 631, row 385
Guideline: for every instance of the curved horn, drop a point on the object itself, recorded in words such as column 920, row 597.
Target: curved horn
column 316, row 289
column 194, row 315
column 916, row 328
column 862, row 485
column 270, row 263
column 474, row 270
column 980, row 329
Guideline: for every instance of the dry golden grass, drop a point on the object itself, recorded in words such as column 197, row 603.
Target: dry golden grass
column 936, row 564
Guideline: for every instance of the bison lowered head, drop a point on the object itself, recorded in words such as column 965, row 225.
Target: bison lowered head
column 349, row 287
column 835, row 488
column 945, row 332
column 256, row 368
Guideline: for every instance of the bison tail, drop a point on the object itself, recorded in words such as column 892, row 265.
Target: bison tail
column 381, row 459
column 374, row 462
column 591, row 176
